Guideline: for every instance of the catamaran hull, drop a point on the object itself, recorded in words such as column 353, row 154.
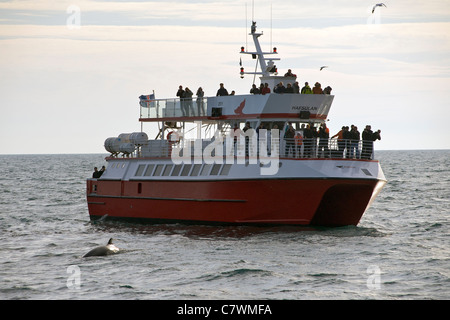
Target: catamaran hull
column 321, row 202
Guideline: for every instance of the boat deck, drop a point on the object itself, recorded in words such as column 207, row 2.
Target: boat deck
column 311, row 107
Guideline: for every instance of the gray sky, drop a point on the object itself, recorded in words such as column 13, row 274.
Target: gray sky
column 72, row 71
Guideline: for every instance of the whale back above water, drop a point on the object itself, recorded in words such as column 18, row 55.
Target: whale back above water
column 110, row 248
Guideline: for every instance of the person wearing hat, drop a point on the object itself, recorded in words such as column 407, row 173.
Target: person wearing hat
column 317, row 89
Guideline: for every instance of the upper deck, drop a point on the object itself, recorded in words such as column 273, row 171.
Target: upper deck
column 314, row 107
column 275, row 106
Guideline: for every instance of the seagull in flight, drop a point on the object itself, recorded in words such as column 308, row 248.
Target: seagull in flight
column 378, row 5
column 323, row 67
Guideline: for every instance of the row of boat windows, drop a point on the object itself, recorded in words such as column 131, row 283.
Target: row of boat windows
column 166, row 170
column 118, row 165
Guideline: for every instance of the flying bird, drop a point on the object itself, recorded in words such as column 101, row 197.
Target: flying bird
column 378, row 5
column 323, row 67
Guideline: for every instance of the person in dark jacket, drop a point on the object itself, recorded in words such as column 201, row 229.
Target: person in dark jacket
column 376, row 136
column 254, row 89
column 181, row 94
column 327, row 90
column 347, row 139
column 222, row 91
column 289, row 138
column 279, row 88
column 200, row 103
column 355, row 137
column 367, row 143
column 307, row 141
column 289, row 89
column 324, row 135
column 315, row 134
column 188, row 102
column 96, row 173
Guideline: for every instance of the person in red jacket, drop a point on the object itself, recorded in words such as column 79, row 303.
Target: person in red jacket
column 298, row 144
column 266, row 89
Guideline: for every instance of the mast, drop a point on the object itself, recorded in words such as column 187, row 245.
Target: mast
column 266, row 64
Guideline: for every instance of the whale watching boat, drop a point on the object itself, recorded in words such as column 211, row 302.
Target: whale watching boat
column 250, row 159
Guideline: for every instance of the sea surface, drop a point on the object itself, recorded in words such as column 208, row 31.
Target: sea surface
column 400, row 250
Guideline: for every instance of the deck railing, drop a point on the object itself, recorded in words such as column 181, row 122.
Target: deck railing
column 173, row 108
column 315, row 148
column 329, row 148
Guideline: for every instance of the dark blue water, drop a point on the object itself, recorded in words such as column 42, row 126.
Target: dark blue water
column 400, row 249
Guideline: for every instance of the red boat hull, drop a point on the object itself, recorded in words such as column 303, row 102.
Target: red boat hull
column 322, row 202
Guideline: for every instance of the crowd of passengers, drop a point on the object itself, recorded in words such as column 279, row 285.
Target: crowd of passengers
column 308, row 141
column 290, row 88
column 187, row 105
column 311, row 142
column 186, row 94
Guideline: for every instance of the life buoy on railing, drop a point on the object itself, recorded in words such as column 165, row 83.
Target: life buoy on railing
column 173, row 137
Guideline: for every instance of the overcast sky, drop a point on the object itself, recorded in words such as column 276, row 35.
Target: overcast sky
column 71, row 71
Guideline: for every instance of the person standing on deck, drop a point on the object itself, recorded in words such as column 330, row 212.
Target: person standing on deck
column 340, row 141
column 324, row 135
column 222, row 91
column 181, row 94
column 200, row 105
column 188, row 100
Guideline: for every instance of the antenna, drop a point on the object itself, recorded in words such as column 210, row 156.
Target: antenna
column 270, row 26
column 253, row 10
column 246, row 33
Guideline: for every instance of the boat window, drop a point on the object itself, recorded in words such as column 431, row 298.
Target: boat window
column 225, row 170
column 176, row 170
column 196, row 169
column 206, row 169
column 216, row 169
column 186, row 169
column 158, row 170
column 149, row 170
column 167, row 169
column 140, row 170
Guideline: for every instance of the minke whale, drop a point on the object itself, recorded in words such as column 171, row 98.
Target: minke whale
column 110, row 248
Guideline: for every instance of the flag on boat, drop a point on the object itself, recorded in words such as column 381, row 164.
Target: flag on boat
column 147, row 101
